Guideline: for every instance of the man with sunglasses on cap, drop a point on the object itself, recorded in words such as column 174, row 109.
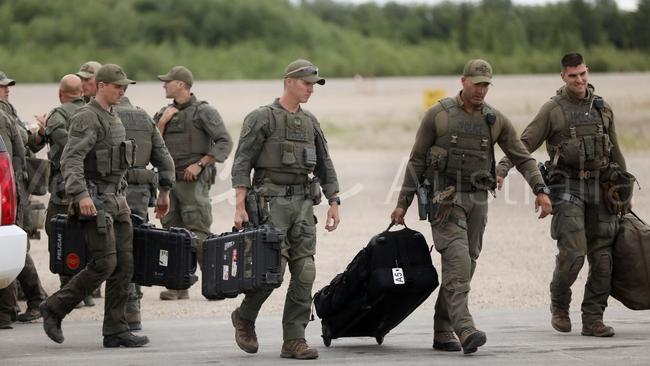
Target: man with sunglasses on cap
column 93, row 164
column 87, row 73
column 196, row 138
column 454, row 153
column 285, row 147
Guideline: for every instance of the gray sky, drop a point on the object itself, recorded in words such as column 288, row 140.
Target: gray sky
column 623, row 4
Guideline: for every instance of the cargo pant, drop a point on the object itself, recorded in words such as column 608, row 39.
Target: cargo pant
column 138, row 196
column 294, row 215
column 8, row 304
column 583, row 227
column 190, row 207
column 111, row 260
column 459, row 241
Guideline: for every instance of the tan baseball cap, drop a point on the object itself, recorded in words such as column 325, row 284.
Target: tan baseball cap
column 5, row 81
column 478, row 71
column 89, row 69
column 112, row 74
column 180, row 73
column 305, row 70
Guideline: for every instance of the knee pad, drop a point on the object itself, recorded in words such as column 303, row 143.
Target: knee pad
column 306, row 270
column 603, row 265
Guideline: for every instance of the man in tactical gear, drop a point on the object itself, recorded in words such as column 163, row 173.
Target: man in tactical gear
column 143, row 182
column 284, row 145
column 56, row 134
column 93, row 164
column 453, row 154
column 578, row 128
column 87, row 73
column 196, row 138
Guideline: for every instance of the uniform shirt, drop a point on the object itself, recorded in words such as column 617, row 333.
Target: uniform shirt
column 256, row 129
column 435, row 123
column 549, row 124
column 29, row 139
column 211, row 123
column 56, row 132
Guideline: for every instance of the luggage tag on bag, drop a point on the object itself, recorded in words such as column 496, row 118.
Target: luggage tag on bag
column 163, row 258
column 398, row 276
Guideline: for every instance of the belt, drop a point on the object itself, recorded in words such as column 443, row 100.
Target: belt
column 568, row 197
column 275, row 190
column 576, row 174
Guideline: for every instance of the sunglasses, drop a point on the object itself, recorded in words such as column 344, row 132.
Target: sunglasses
column 303, row 71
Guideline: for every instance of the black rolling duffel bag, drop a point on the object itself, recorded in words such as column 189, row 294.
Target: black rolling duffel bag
column 383, row 284
column 162, row 257
column 631, row 267
column 241, row 262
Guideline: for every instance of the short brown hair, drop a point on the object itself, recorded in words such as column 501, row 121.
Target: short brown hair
column 572, row 60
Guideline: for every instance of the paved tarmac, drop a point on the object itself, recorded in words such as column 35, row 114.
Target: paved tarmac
column 519, row 337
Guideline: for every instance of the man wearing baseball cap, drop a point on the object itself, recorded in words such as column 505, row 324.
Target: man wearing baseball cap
column 87, row 73
column 196, row 138
column 454, row 152
column 284, row 144
column 93, row 165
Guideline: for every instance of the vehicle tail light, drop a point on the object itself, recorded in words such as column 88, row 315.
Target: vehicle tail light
column 7, row 190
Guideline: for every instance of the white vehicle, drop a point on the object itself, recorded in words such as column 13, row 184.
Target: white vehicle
column 13, row 240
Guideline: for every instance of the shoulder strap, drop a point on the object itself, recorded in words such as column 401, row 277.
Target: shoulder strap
column 447, row 103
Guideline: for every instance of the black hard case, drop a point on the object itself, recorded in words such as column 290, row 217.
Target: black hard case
column 67, row 246
column 162, row 257
column 372, row 296
column 242, row 262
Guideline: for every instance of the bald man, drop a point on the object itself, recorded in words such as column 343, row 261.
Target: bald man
column 56, row 133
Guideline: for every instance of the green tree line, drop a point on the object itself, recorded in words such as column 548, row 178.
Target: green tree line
column 226, row 39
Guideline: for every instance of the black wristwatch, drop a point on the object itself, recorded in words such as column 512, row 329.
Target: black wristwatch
column 542, row 188
column 334, row 199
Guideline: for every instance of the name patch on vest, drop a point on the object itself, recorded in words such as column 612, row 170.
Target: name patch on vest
column 470, row 127
column 296, row 129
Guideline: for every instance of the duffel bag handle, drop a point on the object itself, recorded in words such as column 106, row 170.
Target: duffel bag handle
column 392, row 223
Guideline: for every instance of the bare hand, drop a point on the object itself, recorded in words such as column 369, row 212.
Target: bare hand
column 500, row 182
column 544, row 202
column 241, row 217
column 397, row 216
column 41, row 123
column 166, row 116
column 333, row 219
column 162, row 204
column 87, row 207
column 192, row 173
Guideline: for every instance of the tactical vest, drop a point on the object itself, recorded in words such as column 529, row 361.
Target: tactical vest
column 112, row 154
column 289, row 153
column 185, row 140
column 66, row 111
column 462, row 157
column 584, row 144
column 139, row 128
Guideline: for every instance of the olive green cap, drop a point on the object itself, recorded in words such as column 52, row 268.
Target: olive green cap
column 5, row 81
column 305, row 70
column 478, row 71
column 112, row 74
column 180, row 73
column 88, row 69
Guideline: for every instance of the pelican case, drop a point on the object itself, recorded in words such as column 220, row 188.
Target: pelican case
column 385, row 282
column 242, row 262
column 161, row 257
column 67, row 246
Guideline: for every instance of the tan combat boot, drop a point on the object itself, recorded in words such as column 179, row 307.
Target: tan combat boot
column 244, row 333
column 174, row 295
column 560, row 320
column 446, row 341
column 597, row 329
column 472, row 339
column 299, row 349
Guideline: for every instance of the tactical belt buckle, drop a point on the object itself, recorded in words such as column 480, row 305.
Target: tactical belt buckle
column 584, row 174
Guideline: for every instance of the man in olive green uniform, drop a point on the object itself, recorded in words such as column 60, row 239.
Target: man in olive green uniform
column 28, row 278
column 196, row 138
column 56, row 133
column 578, row 128
column 143, row 182
column 284, row 145
column 16, row 149
column 93, row 164
column 87, row 73
column 454, row 152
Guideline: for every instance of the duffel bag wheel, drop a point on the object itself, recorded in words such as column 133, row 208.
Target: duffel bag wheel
column 327, row 336
column 379, row 339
